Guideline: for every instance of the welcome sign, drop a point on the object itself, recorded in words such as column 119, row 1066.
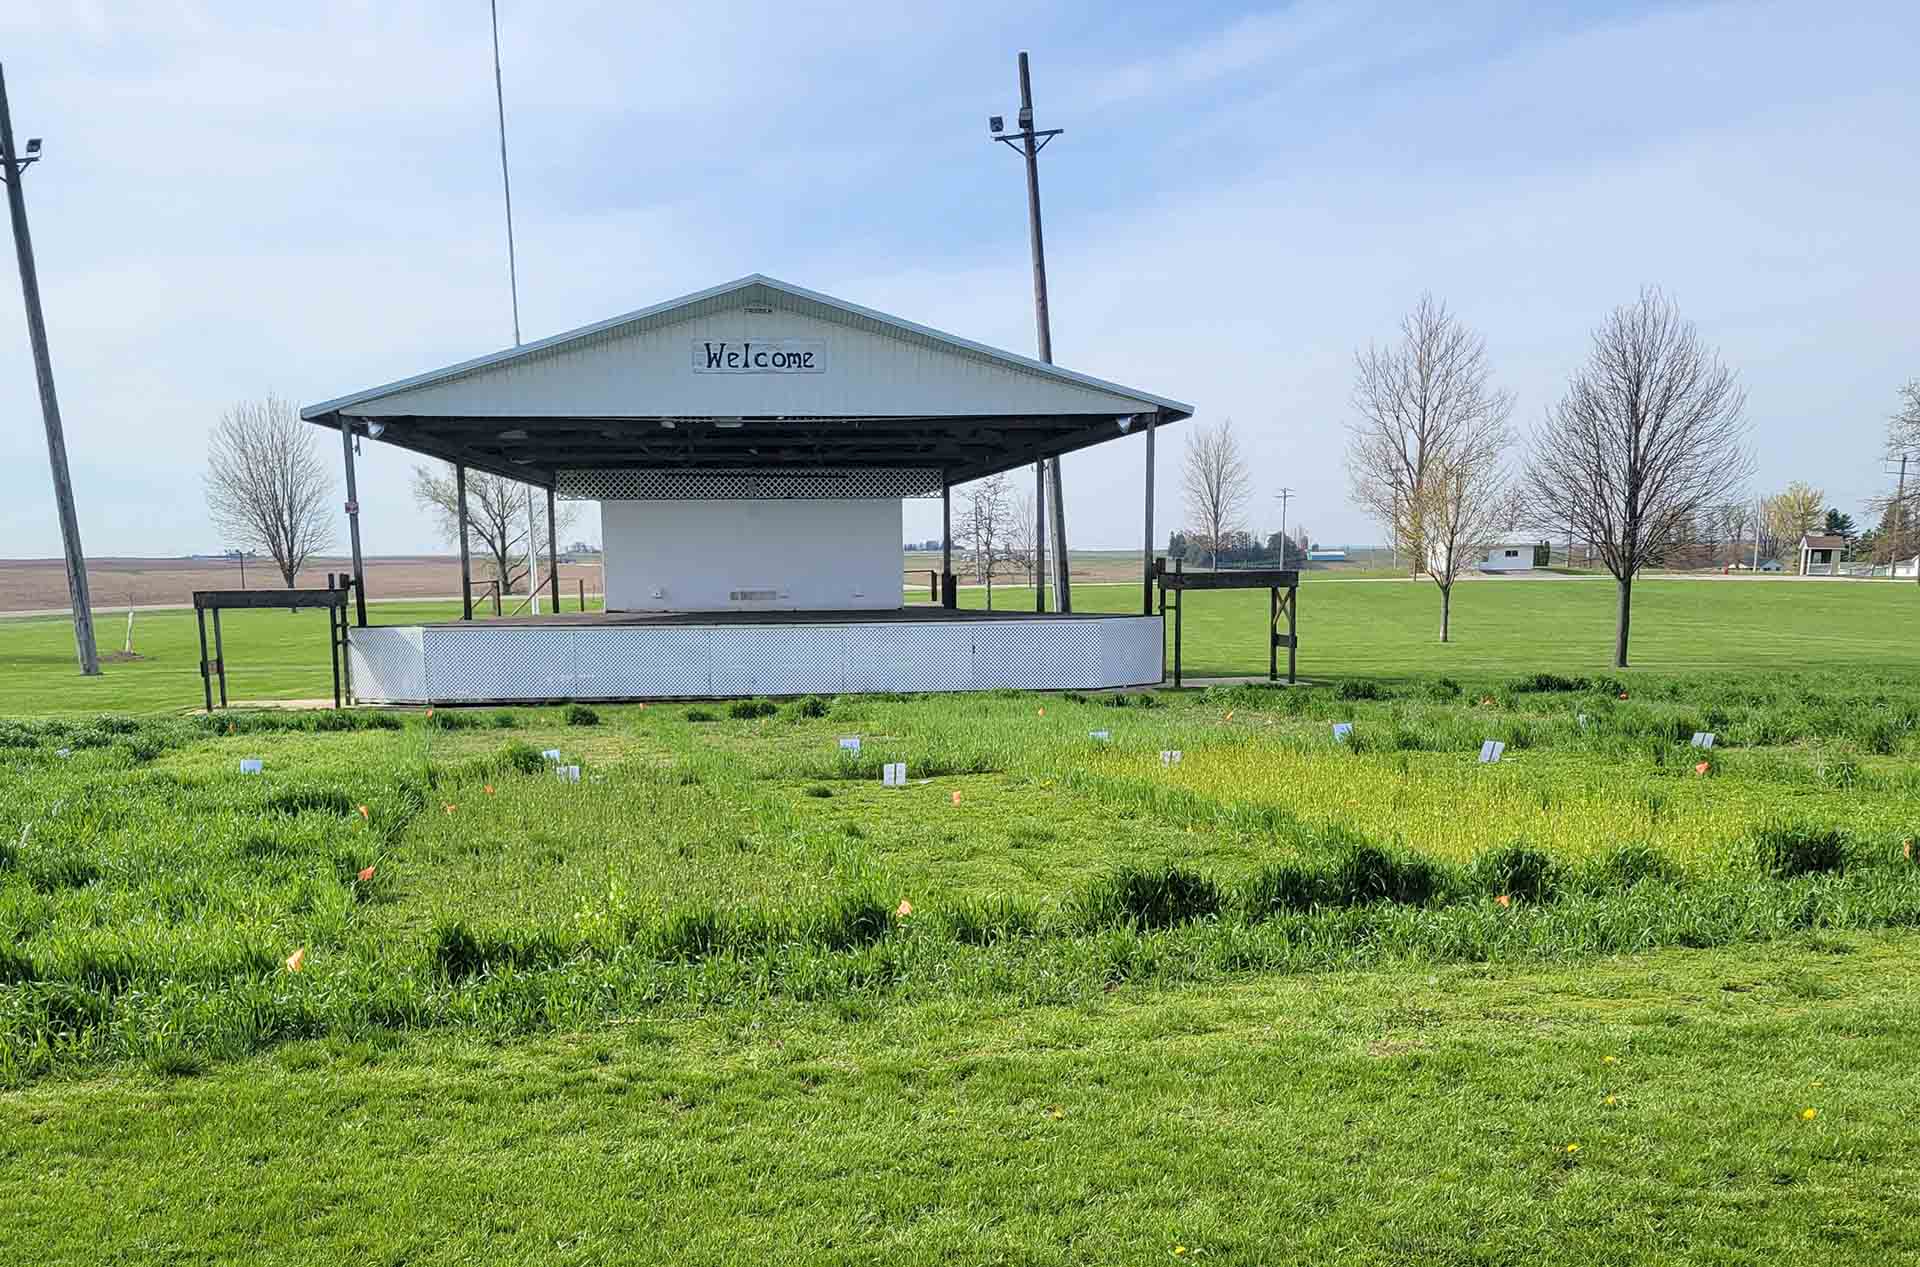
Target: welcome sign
column 759, row 356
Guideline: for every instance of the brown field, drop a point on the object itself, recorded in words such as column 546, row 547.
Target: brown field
column 40, row 584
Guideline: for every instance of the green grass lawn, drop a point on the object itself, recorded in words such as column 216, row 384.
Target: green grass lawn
column 1347, row 628
column 1647, row 1109
column 406, row 996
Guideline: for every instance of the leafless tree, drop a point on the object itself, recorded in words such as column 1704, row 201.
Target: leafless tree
column 1216, row 485
column 1735, row 519
column 985, row 528
column 497, row 517
column 1017, row 548
column 1426, row 399
column 1461, row 508
column 266, row 485
column 1899, row 510
column 1649, row 433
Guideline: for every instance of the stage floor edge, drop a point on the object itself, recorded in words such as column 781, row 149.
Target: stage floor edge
column 617, row 656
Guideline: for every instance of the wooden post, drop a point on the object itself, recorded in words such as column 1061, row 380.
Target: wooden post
column 1293, row 634
column 220, row 657
column 466, row 560
column 206, row 670
column 353, row 528
column 1146, row 600
column 583, row 591
column 1273, row 625
column 1040, row 536
column 333, row 641
column 553, row 555
column 1179, row 605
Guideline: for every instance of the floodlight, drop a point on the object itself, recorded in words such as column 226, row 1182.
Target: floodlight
column 996, row 123
column 33, row 146
column 375, row 430
column 517, row 433
column 1026, row 118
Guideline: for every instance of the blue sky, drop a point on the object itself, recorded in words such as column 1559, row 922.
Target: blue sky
column 243, row 198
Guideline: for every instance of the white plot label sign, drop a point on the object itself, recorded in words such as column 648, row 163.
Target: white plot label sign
column 1170, row 756
column 1341, row 731
column 1701, row 739
column 251, row 765
column 894, row 774
column 850, row 744
column 1490, row 751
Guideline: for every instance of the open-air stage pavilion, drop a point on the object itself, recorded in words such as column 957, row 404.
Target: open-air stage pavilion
column 750, row 447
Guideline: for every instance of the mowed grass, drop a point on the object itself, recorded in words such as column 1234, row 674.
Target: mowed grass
column 729, row 999
column 1644, row 1110
column 1385, row 629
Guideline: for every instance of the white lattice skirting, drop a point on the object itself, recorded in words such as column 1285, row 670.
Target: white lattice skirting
column 480, row 664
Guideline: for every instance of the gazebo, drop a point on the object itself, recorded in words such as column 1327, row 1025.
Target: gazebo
column 750, row 446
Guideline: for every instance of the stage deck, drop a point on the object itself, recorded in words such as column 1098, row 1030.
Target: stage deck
column 922, row 614
column 703, row 655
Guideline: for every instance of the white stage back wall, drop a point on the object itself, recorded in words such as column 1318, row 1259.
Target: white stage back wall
column 800, row 555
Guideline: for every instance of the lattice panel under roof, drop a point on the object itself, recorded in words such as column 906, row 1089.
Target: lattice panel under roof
column 747, row 483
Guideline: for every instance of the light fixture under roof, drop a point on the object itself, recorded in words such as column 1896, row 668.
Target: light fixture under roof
column 517, row 433
column 728, row 424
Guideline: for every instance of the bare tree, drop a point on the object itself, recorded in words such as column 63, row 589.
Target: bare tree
column 266, row 484
column 1735, row 518
column 1426, row 399
column 1649, row 433
column 1017, row 536
column 498, row 517
column 985, row 528
column 1216, row 485
column 1899, row 510
column 1793, row 513
column 1462, row 507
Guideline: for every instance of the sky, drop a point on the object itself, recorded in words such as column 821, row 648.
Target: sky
column 239, row 199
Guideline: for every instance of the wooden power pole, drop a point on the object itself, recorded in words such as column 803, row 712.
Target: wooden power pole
column 1048, row 500
column 12, row 165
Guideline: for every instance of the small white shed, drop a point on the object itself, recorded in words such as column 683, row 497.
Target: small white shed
column 1510, row 556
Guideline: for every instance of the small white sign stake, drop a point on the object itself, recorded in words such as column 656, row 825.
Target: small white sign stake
column 1581, row 719
column 1100, row 736
column 63, row 753
column 251, row 765
column 551, row 754
column 1170, row 756
column 850, row 743
column 894, row 774
column 1701, row 739
column 568, row 773
column 1490, row 751
column 1342, row 729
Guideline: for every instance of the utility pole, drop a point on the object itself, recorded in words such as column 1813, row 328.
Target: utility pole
column 1285, row 495
column 1897, row 528
column 1029, row 143
column 506, row 186
column 12, row 166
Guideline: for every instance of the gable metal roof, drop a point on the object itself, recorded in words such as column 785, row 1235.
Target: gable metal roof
column 728, row 295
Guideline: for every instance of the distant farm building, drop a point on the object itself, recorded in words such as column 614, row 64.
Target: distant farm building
column 1515, row 556
column 1326, row 556
column 1820, row 555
